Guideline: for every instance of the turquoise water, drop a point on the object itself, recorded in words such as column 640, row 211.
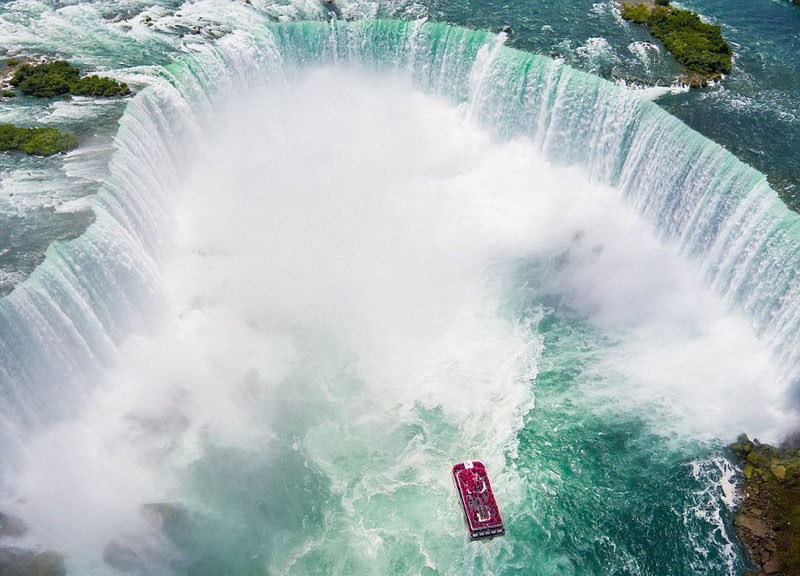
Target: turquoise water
column 320, row 261
column 753, row 113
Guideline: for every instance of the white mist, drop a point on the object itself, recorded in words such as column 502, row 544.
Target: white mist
column 343, row 255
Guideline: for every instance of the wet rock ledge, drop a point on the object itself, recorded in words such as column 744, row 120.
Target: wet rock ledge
column 21, row 562
column 768, row 521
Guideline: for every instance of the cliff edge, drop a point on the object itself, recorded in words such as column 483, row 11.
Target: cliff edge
column 768, row 521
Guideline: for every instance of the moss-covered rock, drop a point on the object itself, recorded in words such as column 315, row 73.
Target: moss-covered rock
column 60, row 77
column 769, row 518
column 41, row 141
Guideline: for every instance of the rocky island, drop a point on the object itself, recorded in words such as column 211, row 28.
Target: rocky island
column 48, row 80
column 768, row 521
column 697, row 45
column 51, row 79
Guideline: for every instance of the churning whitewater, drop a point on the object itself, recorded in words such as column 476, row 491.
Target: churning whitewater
column 331, row 259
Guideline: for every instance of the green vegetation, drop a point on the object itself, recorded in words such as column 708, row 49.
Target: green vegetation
column 695, row 44
column 769, row 518
column 97, row 86
column 60, row 77
column 39, row 141
column 11, row 62
column 7, row 93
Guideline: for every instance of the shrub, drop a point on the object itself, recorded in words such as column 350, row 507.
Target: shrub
column 638, row 13
column 39, row 141
column 60, row 77
column 97, row 86
column 45, row 80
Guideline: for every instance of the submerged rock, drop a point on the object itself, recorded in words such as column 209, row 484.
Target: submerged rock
column 11, row 526
column 158, row 550
column 210, row 566
column 16, row 562
column 47, row 563
column 172, row 520
column 122, row 557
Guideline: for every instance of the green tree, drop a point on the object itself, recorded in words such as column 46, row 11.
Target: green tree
column 60, row 77
column 40, row 141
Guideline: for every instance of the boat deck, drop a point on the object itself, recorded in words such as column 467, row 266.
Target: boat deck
column 477, row 500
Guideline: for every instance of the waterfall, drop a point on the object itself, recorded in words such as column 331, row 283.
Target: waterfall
column 61, row 326
column 351, row 328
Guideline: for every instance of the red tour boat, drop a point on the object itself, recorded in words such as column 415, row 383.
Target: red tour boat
column 477, row 500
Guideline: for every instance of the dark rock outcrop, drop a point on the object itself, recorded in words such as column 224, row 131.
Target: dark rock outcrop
column 768, row 521
column 15, row 562
column 122, row 557
column 47, row 563
column 172, row 520
column 145, row 554
column 11, row 526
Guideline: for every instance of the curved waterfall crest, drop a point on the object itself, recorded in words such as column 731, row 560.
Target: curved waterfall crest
column 61, row 327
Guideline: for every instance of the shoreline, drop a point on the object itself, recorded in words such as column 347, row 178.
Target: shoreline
column 768, row 519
